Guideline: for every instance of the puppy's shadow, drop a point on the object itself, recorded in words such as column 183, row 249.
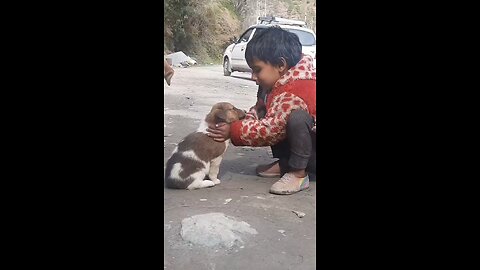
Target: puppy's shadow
column 241, row 165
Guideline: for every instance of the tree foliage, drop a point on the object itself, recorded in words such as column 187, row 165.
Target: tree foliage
column 203, row 29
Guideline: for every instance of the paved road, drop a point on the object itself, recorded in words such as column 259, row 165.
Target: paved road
column 284, row 241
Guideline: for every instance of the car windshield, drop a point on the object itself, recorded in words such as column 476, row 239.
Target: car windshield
column 306, row 38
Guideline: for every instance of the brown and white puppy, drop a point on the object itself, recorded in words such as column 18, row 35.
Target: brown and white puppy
column 198, row 155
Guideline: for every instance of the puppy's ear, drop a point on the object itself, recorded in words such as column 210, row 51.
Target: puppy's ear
column 211, row 117
column 221, row 116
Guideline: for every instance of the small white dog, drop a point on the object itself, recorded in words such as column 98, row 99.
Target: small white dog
column 198, row 155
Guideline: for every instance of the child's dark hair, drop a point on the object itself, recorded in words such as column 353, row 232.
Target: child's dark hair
column 273, row 43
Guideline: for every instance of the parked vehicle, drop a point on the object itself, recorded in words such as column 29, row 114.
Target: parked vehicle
column 234, row 55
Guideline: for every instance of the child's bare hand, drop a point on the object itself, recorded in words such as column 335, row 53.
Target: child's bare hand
column 219, row 132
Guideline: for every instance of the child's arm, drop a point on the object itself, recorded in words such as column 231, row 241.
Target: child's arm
column 260, row 106
column 271, row 129
column 259, row 109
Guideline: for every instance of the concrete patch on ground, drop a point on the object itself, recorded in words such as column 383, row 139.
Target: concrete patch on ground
column 215, row 230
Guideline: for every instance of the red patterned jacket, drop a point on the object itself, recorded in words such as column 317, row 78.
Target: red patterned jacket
column 293, row 91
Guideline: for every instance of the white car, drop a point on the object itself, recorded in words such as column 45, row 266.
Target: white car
column 234, row 55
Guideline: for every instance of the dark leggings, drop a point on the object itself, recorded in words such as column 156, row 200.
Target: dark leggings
column 298, row 150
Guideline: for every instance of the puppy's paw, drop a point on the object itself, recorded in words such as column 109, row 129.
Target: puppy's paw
column 201, row 184
column 216, row 181
column 208, row 183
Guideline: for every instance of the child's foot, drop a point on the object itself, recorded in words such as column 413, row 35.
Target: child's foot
column 269, row 170
column 289, row 184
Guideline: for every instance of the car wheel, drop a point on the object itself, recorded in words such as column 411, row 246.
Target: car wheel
column 226, row 67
